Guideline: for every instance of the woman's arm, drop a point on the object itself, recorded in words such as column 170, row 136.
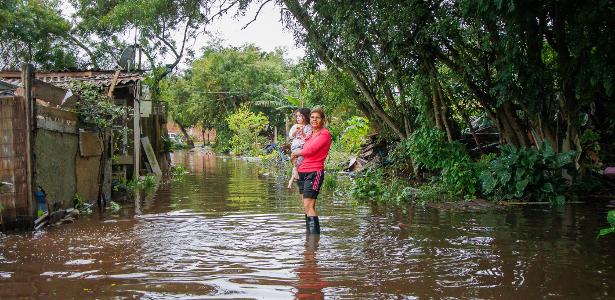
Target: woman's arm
column 319, row 141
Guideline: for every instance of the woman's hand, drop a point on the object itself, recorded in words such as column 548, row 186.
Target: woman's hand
column 295, row 154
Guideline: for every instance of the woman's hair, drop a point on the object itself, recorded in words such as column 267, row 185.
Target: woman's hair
column 320, row 111
column 305, row 112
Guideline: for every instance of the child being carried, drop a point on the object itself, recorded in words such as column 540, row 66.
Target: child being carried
column 301, row 131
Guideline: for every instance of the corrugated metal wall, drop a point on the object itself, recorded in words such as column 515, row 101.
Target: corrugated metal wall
column 13, row 166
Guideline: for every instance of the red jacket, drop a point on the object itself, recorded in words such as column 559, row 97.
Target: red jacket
column 315, row 151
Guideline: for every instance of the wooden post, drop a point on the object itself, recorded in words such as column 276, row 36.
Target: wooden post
column 113, row 83
column 137, row 131
column 275, row 134
column 27, row 75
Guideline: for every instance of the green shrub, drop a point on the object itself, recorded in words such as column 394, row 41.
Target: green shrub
column 398, row 191
column 274, row 165
column 354, row 134
column 429, row 149
column 376, row 185
column 330, row 182
column 610, row 217
column 178, row 172
column 82, row 205
column 400, row 157
column 94, row 107
column 338, row 158
column 368, row 185
column 526, row 173
column 246, row 127
column 114, row 206
column 434, row 192
column 144, row 183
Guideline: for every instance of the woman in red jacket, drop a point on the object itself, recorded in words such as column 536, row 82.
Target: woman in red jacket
column 311, row 170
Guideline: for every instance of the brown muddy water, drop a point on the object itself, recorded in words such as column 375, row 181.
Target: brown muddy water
column 226, row 232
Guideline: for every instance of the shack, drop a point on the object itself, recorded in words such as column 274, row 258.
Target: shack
column 45, row 148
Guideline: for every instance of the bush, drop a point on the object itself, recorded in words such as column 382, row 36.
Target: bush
column 369, row 185
column 429, row 149
column 354, row 134
column 610, row 217
column 527, row 173
column 178, row 172
column 246, row 127
column 338, row 158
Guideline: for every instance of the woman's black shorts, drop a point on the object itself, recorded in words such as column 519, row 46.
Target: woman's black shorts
column 310, row 183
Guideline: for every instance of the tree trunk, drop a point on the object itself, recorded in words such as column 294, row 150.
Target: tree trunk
column 303, row 18
column 186, row 135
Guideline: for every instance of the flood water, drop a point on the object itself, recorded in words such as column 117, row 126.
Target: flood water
column 229, row 232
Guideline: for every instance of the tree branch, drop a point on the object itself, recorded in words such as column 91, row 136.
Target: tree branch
column 255, row 16
column 222, row 11
column 84, row 47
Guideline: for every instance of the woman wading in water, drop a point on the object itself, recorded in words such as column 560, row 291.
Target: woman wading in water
column 311, row 170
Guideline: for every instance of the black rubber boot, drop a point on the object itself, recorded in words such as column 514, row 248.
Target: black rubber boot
column 313, row 225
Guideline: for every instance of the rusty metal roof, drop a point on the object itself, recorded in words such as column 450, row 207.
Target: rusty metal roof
column 65, row 78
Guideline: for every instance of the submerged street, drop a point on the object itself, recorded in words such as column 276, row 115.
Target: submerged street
column 229, row 231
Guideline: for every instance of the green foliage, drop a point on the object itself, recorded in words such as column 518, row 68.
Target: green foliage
column 431, row 193
column 94, row 108
column 331, row 182
column 610, row 217
column 78, row 201
column 149, row 182
column 428, row 148
column 375, row 184
column 398, row 190
column 590, row 145
column 338, row 158
column 590, row 140
column 272, row 163
column 222, row 81
column 83, row 206
column 36, row 33
column 144, row 183
column 354, row 133
column 114, row 206
column 527, row 173
column 423, row 64
column 247, row 126
column 165, row 29
column 174, row 144
column 178, row 172
column 369, row 185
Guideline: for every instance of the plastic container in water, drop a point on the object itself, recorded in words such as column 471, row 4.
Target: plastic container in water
column 41, row 203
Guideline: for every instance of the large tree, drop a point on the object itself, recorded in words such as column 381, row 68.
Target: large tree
column 35, row 32
column 536, row 69
column 223, row 79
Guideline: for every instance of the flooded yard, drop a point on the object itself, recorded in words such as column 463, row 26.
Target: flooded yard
column 227, row 231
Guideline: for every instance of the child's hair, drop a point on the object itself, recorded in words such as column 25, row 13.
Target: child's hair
column 306, row 114
column 320, row 111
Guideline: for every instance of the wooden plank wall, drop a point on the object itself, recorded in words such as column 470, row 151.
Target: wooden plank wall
column 13, row 168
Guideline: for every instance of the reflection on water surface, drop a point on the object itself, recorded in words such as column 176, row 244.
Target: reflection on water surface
column 226, row 231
